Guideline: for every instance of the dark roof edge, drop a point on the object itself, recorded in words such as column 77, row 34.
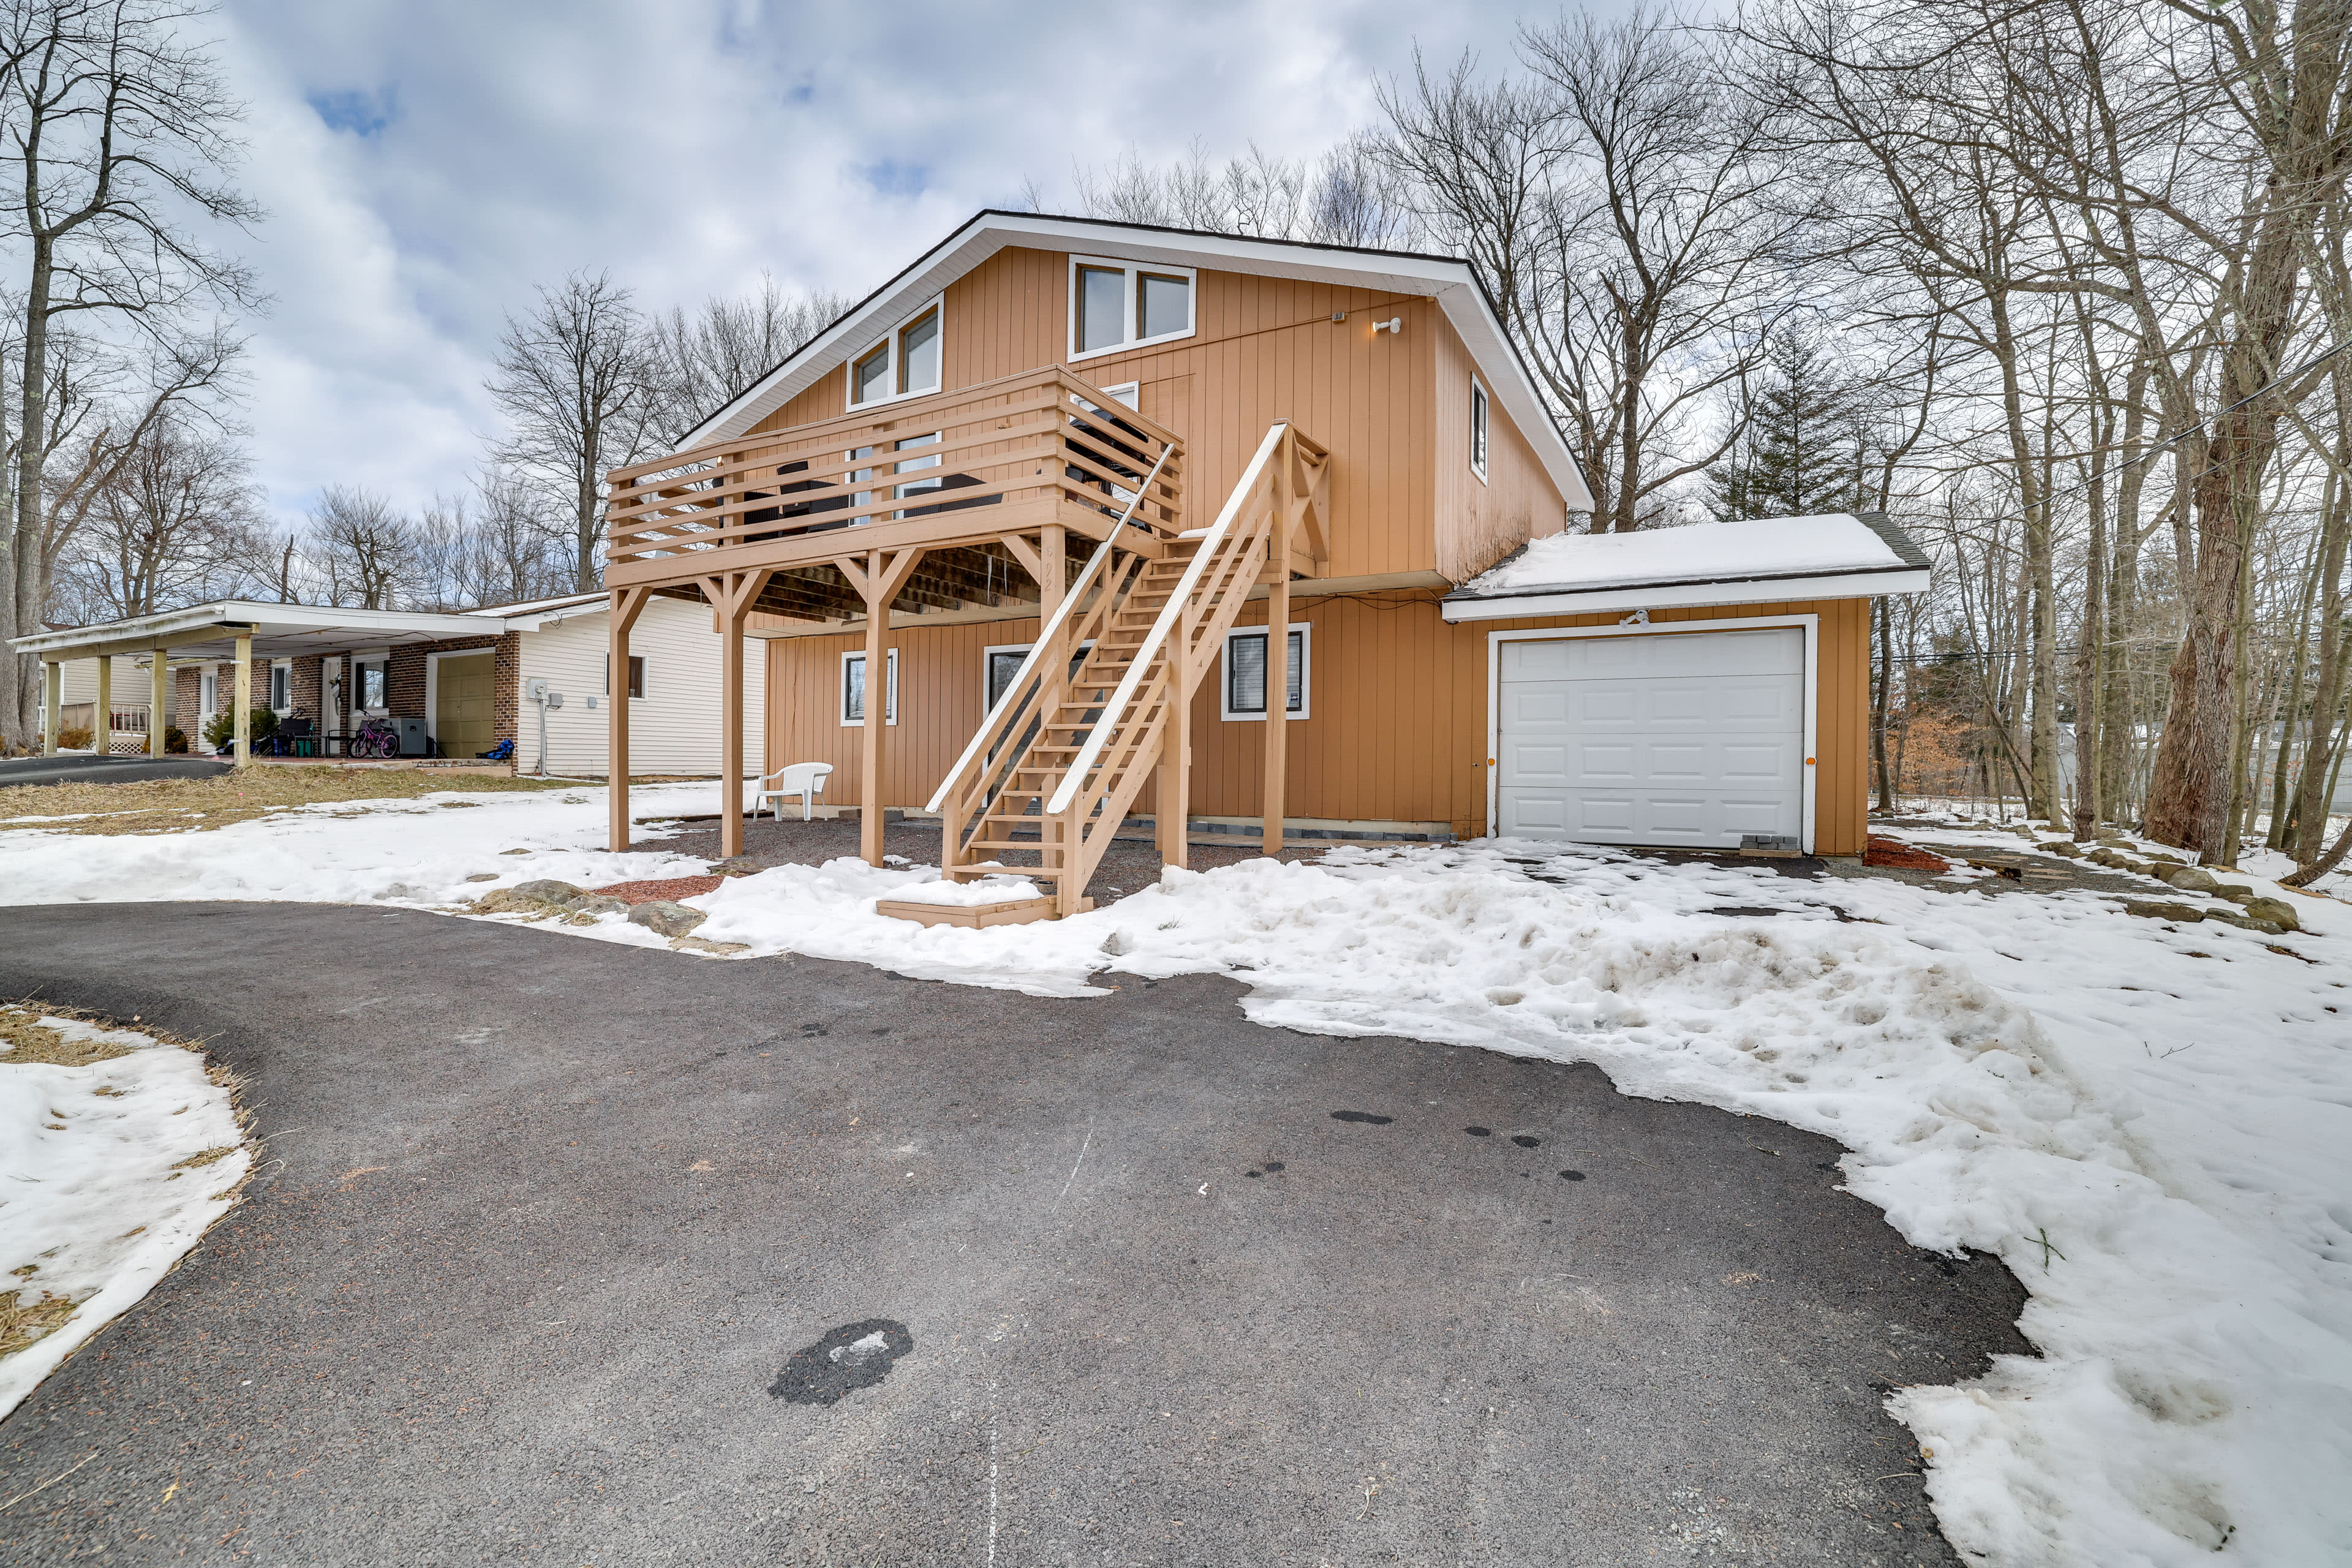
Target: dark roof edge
column 1902, row 544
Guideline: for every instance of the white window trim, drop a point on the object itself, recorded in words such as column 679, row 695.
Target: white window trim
column 1811, row 625
column 382, row 656
column 1190, row 275
column 1306, row 676
column 1480, row 396
column 271, row 677
column 1020, row 648
column 607, row 692
column 890, row 697
column 889, row 341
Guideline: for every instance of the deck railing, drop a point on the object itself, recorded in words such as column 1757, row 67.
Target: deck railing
column 1042, row 441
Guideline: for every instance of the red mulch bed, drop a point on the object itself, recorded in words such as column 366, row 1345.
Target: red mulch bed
column 672, row 888
column 1892, row 853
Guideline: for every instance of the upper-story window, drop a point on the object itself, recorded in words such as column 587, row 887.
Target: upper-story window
column 1478, row 422
column 905, row 364
column 1118, row 305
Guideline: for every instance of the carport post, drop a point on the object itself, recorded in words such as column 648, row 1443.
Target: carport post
column 244, row 748
column 53, row 692
column 159, row 702
column 622, row 608
column 731, row 595
column 101, row 723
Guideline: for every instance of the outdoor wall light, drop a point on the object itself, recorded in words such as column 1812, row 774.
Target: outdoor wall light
column 1393, row 324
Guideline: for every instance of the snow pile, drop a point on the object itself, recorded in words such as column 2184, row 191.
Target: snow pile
column 110, row 1171
column 994, row 890
column 1749, row 547
column 416, row 852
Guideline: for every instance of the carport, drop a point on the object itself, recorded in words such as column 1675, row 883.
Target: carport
column 233, row 632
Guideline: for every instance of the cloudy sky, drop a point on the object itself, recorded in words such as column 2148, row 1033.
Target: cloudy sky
column 425, row 163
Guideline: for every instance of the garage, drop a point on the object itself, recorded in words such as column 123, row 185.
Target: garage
column 1693, row 740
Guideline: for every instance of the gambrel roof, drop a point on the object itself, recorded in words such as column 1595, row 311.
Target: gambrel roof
column 1445, row 279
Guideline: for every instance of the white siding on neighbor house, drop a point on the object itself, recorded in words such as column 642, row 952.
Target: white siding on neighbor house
column 79, row 681
column 673, row 728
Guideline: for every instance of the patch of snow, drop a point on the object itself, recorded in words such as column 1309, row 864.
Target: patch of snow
column 1746, row 548
column 89, row 1194
column 967, row 895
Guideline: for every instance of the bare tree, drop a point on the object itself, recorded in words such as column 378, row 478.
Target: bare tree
column 703, row 361
column 369, row 556
column 117, row 133
column 579, row 383
column 174, row 524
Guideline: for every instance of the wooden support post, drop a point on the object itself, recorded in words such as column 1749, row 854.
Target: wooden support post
column 731, row 596
column 1277, row 696
column 1054, row 546
column 101, row 726
column 159, row 702
column 622, row 608
column 243, row 750
column 53, row 692
column 877, row 578
column 1173, row 793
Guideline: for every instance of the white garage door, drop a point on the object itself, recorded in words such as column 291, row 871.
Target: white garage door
column 1692, row 740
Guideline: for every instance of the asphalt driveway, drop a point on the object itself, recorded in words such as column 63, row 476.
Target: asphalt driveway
column 581, row 1253
column 105, row 770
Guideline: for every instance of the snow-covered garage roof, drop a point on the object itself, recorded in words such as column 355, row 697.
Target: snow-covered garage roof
column 1837, row 555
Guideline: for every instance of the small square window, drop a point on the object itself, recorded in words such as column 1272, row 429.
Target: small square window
column 852, row 690
column 636, row 674
column 1163, row 305
column 1242, row 694
column 906, row 362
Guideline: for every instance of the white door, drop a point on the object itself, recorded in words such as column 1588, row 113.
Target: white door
column 1687, row 740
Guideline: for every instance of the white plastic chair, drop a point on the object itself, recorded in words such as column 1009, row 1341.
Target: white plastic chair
column 805, row 780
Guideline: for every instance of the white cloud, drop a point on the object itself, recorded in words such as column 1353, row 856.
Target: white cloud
column 425, row 164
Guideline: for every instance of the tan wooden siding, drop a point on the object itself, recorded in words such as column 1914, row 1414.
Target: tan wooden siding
column 1480, row 522
column 1396, row 729
column 1266, row 349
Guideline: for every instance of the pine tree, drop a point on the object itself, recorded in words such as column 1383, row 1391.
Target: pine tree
column 1795, row 458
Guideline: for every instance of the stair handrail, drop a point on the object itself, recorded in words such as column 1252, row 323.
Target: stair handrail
column 1045, row 634
column 1114, row 714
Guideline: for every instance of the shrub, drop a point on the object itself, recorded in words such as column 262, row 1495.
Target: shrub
column 221, row 728
column 174, row 738
column 73, row 738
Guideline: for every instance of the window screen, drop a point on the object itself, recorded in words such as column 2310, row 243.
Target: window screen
column 919, row 354
column 1163, row 304
column 1102, row 299
column 1246, row 673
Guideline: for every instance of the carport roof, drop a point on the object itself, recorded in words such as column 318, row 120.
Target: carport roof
column 209, row 631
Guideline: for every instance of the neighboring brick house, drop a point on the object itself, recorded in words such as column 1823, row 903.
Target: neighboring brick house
column 466, row 676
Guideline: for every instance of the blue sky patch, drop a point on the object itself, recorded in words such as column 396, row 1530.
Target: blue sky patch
column 361, row 114
column 892, row 178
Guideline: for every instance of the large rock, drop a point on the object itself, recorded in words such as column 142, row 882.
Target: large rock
column 668, row 918
column 2278, row 911
column 547, row 890
column 2191, row 878
column 588, row 908
column 2151, row 910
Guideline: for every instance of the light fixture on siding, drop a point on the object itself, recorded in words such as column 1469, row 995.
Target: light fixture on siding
column 1393, row 324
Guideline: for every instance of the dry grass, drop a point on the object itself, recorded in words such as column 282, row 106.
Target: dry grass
column 30, row 1040
column 23, row 1323
column 174, row 806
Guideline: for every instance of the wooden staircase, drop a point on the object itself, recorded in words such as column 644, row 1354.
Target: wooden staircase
column 1101, row 703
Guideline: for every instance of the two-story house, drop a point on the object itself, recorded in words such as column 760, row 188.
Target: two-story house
column 1057, row 479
